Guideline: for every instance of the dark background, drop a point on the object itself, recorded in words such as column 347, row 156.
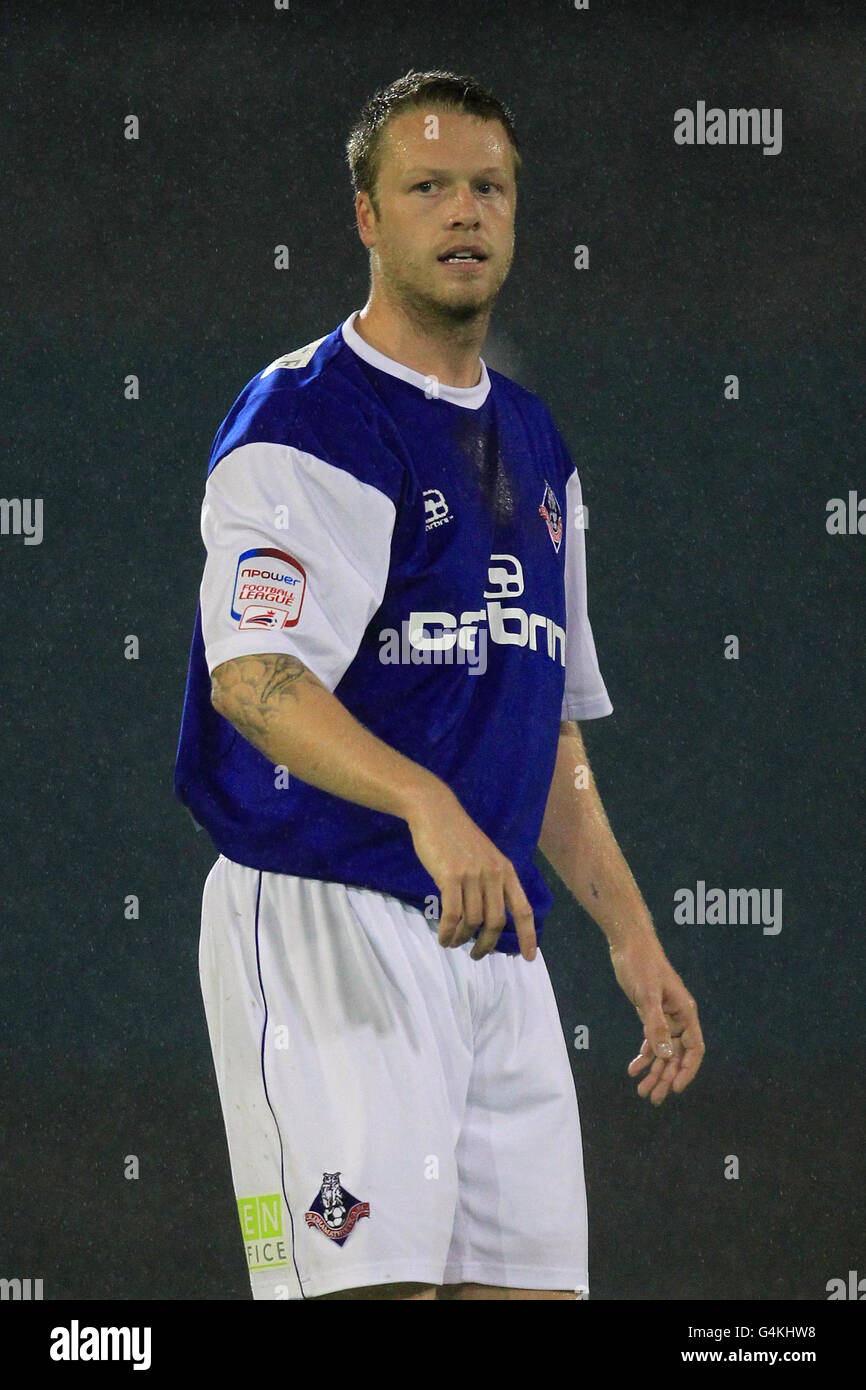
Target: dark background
column 706, row 517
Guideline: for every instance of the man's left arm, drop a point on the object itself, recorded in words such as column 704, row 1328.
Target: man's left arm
column 578, row 842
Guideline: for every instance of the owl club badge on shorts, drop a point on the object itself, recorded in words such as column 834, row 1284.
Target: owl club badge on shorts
column 335, row 1212
column 549, row 509
column 269, row 589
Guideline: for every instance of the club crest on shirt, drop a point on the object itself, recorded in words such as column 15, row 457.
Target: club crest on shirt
column 549, row 509
column 335, row 1212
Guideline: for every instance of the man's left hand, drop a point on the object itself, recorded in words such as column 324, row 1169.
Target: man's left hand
column 673, row 1041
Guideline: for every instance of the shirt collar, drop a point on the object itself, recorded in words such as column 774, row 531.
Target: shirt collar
column 469, row 396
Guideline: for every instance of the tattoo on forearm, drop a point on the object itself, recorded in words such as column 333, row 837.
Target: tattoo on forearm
column 285, row 670
column 252, row 690
column 594, row 890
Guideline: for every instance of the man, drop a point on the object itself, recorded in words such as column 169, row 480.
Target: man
column 391, row 653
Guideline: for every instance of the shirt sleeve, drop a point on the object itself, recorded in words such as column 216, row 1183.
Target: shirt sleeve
column 298, row 555
column 585, row 694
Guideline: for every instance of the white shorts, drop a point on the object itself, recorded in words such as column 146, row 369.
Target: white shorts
column 395, row 1111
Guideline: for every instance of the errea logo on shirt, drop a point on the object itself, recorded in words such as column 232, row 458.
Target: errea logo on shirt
column 269, row 589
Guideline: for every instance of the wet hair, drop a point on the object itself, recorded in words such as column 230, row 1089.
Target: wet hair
column 417, row 90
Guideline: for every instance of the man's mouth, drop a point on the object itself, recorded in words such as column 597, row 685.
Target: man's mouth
column 473, row 254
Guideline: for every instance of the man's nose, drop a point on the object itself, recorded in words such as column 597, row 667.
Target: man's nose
column 463, row 205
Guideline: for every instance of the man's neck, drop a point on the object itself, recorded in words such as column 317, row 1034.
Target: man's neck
column 448, row 353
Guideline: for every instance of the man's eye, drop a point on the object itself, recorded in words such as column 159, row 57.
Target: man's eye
column 428, row 183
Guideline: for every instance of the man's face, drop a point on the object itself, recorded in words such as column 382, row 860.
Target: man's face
column 456, row 189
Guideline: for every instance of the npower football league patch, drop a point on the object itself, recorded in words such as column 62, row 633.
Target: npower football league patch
column 269, row 589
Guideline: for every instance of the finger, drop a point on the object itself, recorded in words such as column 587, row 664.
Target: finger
column 643, row 1059
column 487, row 938
column 652, row 1077
column 665, row 1082
column 657, row 1028
column 452, row 910
column 494, row 919
column 473, row 914
column 693, row 1055
column 684, row 1076
column 639, row 1064
column 648, row 1082
column 691, row 1040
column 494, row 902
column 521, row 912
column 683, row 1015
column 524, row 922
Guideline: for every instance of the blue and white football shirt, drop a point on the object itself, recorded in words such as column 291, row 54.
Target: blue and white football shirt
column 420, row 547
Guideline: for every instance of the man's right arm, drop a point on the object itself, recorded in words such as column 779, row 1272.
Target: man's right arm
column 290, row 716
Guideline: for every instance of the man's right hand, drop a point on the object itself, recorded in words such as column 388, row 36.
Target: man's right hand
column 290, row 716
column 476, row 882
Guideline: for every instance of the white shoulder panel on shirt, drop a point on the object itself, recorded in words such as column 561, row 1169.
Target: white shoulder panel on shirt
column 330, row 531
column 585, row 695
column 299, row 357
